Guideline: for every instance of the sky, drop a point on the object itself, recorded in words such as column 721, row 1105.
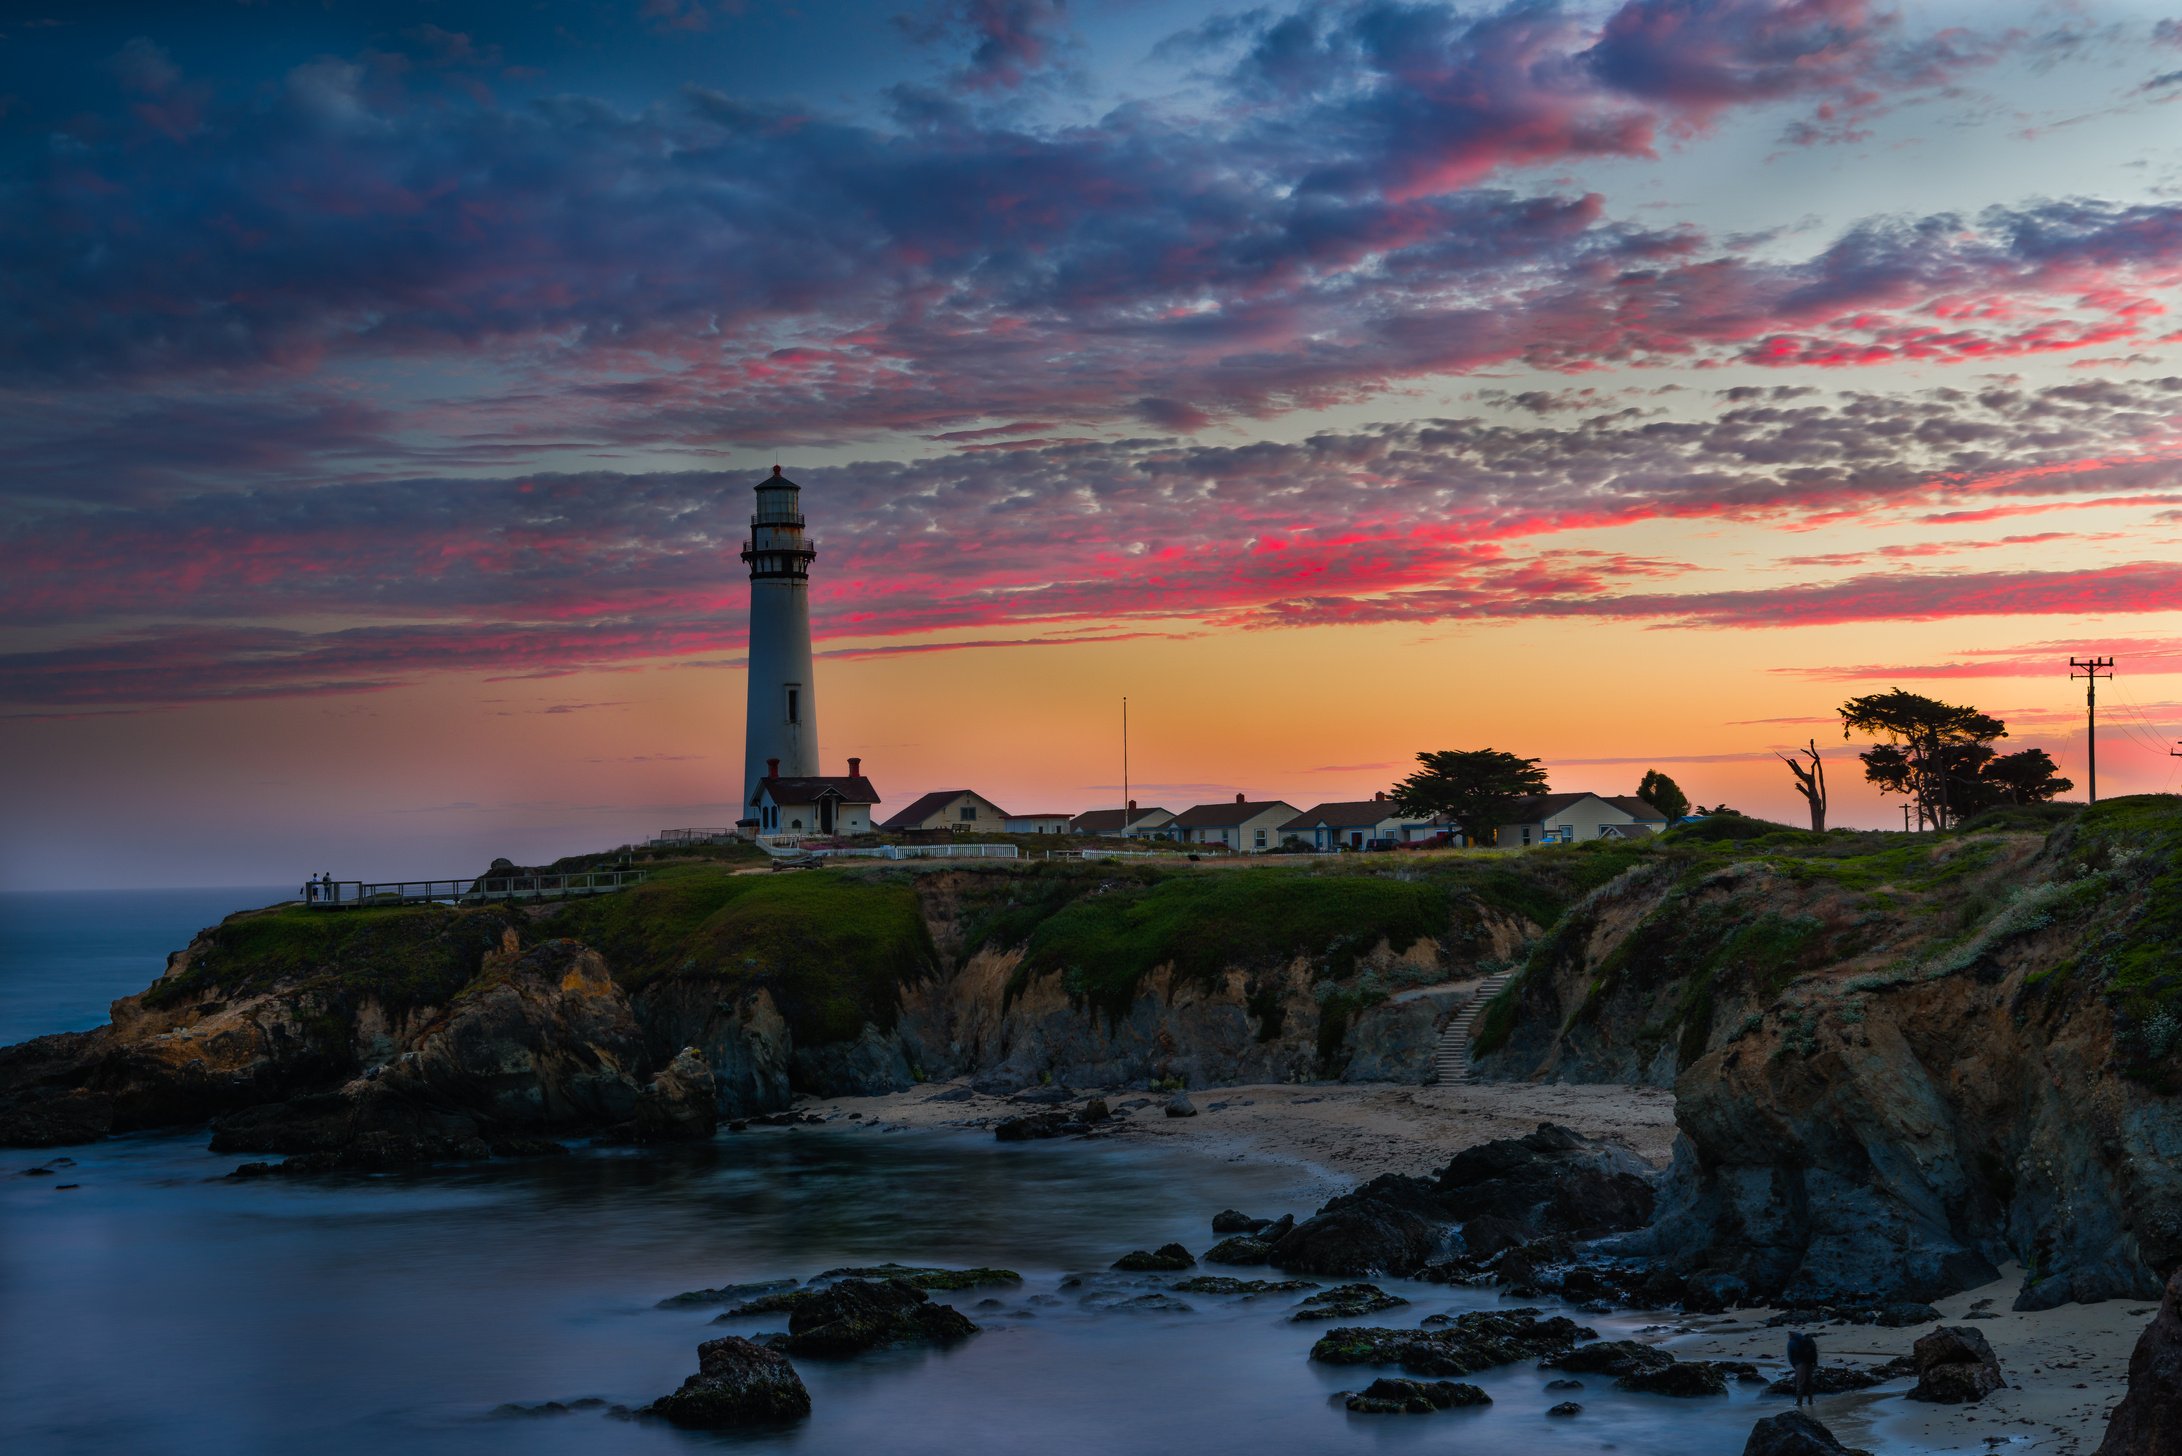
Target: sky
column 1622, row 385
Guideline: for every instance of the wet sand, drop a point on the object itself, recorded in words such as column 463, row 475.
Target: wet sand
column 2066, row 1368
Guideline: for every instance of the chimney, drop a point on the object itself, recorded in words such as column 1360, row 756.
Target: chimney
column 772, row 769
column 1132, row 806
column 856, row 768
column 1379, row 797
column 1239, row 799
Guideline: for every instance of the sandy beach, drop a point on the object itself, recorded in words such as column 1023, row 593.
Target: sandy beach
column 2066, row 1368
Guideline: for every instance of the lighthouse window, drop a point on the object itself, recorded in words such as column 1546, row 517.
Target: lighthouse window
column 795, row 705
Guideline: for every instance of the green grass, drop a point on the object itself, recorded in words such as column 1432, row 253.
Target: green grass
column 404, row 957
column 834, row 948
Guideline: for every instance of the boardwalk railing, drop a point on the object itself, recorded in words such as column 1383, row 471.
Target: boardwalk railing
column 675, row 838
column 801, row 855
column 352, row 894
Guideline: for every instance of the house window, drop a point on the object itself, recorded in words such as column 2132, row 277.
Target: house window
column 1261, row 839
column 968, row 813
column 795, row 823
column 1526, row 836
column 795, row 705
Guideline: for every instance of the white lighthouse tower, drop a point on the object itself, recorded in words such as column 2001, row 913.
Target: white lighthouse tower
column 780, row 733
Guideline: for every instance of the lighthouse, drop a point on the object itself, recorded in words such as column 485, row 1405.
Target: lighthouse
column 780, row 731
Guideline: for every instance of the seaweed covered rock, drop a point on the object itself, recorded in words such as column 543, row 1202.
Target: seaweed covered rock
column 1955, row 1366
column 1241, row 1249
column 1683, row 1378
column 1348, row 1301
column 1222, row 1284
column 1165, row 1259
column 857, row 1315
column 738, row 1382
column 2148, row 1422
column 1391, row 1395
column 1471, row 1342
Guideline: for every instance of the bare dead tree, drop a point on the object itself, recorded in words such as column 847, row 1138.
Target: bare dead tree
column 1811, row 783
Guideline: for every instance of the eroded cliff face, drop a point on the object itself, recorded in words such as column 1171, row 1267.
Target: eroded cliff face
column 444, row 1032
column 1893, row 1070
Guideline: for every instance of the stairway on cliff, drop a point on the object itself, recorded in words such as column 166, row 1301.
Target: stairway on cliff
column 1452, row 1063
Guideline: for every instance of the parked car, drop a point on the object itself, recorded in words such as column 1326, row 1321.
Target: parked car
column 1382, row 844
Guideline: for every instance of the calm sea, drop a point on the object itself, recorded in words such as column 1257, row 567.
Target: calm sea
column 156, row 1308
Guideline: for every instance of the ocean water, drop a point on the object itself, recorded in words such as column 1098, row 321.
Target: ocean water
column 156, row 1307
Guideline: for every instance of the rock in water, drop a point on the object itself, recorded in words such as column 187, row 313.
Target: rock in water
column 1349, row 1301
column 1610, row 1357
column 1472, row 1342
column 2148, row 1422
column 1032, row 1126
column 1231, row 1221
column 738, row 1383
column 1792, row 1433
column 1163, row 1260
column 857, row 1315
column 1554, row 1180
column 1955, row 1366
column 1241, row 1249
column 678, row 1104
column 1392, row 1397
column 1678, row 1378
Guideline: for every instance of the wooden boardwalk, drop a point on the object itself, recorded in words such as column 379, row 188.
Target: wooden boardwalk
column 360, row 894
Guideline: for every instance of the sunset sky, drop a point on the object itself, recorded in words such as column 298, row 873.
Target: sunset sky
column 382, row 386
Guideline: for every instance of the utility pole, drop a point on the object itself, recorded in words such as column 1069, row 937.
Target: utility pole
column 1124, row 765
column 2088, row 668
column 1905, row 820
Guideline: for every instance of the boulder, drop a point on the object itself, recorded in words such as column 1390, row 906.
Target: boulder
column 2148, row 1422
column 857, row 1315
column 1221, row 1284
column 1036, row 1125
column 1241, row 1249
column 1565, row 1408
column 927, row 1278
column 1179, row 1105
column 1678, row 1378
column 1833, row 1380
column 738, row 1383
column 1390, row 1396
column 1391, row 1225
column 1230, row 1221
column 1609, row 1357
column 1165, row 1259
column 1792, row 1433
column 1490, row 1234
column 678, row 1104
column 1553, row 1180
column 1955, row 1366
column 1096, row 1111
column 1347, row 1301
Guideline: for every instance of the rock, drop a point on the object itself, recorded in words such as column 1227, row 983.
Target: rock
column 1833, row 1380
column 1391, row 1225
column 1096, row 1111
column 1955, row 1366
column 1229, row 1221
column 1565, row 1408
column 927, row 1278
column 2148, row 1422
column 1792, row 1433
column 857, row 1315
column 1221, row 1284
column 1678, row 1378
column 1179, row 1105
column 1553, row 1180
column 1391, row 1396
column 726, row 1293
column 1475, row 1341
column 1348, row 1301
column 1164, row 1259
column 1489, row 1234
column 1241, row 1249
column 951, row 1094
column 1609, row 1357
column 1901, row 1316
column 738, row 1383
column 1044, row 1096
column 1036, row 1125
column 678, row 1104
column 1564, row 1383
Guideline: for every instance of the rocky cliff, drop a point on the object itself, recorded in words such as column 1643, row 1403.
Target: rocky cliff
column 1897, row 1063
column 434, row 1031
